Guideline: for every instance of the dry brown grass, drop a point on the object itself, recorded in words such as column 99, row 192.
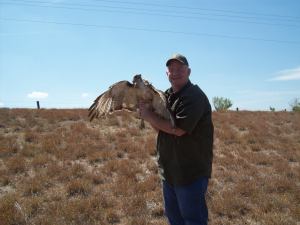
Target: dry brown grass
column 256, row 168
column 61, row 169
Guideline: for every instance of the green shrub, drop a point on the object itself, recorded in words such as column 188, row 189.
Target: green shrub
column 221, row 104
column 296, row 105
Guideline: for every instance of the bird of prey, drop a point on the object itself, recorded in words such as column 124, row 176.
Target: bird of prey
column 126, row 95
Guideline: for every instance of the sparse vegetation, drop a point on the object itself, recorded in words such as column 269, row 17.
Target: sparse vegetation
column 58, row 168
column 295, row 105
column 221, row 104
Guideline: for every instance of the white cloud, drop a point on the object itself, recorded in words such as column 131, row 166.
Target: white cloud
column 289, row 74
column 84, row 95
column 37, row 95
column 1, row 104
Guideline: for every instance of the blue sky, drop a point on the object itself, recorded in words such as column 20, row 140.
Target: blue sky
column 65, row 53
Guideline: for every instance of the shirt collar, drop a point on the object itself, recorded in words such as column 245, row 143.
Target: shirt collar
column 186, row 86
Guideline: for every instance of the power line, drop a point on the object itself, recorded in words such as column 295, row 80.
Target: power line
column 203, row 9
column 297, row 19
column 147, row 9
column 151, row 14
column 154, row 30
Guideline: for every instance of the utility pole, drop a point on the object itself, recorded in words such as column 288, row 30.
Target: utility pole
column 38, row 104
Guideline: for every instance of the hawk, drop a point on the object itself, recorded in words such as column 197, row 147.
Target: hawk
column 126, row 95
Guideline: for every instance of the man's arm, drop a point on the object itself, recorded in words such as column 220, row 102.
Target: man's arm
column 155, row 128
column 159, row 123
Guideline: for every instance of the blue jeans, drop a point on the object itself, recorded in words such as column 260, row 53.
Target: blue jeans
column 186, row 205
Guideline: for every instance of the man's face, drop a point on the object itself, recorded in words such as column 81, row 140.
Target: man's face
column 178, row 74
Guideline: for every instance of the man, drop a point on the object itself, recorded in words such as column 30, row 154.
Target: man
column 184, row 151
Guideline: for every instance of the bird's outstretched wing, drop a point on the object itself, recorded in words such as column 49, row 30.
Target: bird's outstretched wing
column 121, row 95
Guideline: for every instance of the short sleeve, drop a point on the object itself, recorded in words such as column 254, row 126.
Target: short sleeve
column 189, row 111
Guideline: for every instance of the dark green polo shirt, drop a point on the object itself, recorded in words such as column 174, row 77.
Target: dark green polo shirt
column 184, row 159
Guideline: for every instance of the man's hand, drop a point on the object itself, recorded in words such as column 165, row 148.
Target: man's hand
column 158, row 123
column 145, row 112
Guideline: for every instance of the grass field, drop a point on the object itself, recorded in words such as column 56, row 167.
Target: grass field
column 58, row 168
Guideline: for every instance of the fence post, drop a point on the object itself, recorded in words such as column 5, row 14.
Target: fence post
column 38, row 104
